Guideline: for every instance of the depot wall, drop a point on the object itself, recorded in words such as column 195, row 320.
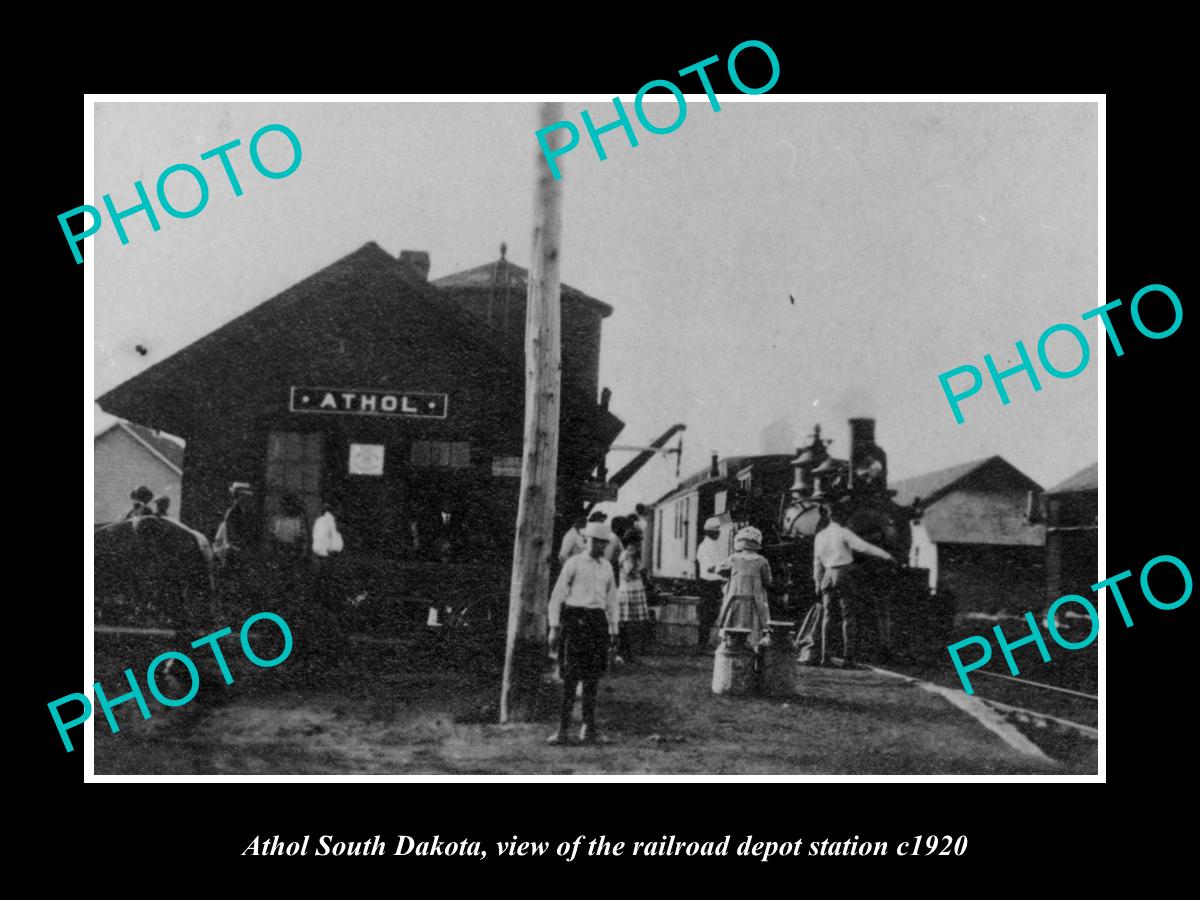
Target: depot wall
column 233, row 444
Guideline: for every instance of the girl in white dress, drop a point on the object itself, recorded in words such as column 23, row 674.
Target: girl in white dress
column 749, row 574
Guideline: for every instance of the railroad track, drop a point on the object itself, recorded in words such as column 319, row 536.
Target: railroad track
column 1049, row 715
column 1039, row 704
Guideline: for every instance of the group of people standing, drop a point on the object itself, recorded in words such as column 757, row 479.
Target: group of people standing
column 598, row 608
column 734, row 590
column 746, row 576
column 599, row 603
column 294, row 552
column 623, row 542
column 295, row 571
column 146, row 504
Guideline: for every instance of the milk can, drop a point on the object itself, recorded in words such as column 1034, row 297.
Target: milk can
column 777, row 660
column 733, row 663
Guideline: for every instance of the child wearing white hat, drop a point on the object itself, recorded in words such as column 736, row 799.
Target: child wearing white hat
column 749, row 576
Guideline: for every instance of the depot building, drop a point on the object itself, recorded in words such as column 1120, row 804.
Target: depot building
column 398, row 399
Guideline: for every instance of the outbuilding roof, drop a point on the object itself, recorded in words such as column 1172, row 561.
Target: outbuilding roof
column 980, row 502
column 1087, row 479
column 166, row 449
column 933, row 485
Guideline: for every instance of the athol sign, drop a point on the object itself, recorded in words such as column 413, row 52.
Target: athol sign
column 368, row 403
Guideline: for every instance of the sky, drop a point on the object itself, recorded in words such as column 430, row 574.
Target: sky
column 914, row 238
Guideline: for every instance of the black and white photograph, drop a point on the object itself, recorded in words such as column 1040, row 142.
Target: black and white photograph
column 539, row 438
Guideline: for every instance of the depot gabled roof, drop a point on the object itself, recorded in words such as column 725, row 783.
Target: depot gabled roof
column 367, row 291
column 503, row 272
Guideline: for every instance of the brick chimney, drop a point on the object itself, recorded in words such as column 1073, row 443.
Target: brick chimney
column 417, row 262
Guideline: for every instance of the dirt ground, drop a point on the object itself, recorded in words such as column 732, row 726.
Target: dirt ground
column 425, row 703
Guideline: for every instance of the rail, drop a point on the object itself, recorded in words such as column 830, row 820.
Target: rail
column 1038, row 684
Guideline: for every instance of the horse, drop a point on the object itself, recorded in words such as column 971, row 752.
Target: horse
column 155, row 571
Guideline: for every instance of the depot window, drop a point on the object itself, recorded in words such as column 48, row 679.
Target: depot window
column 294, row 464
column 441, row 454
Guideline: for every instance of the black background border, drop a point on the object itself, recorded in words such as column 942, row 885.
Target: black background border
column 1149, row 480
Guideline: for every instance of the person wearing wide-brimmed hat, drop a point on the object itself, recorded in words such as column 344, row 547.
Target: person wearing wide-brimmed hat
column 234, row 542
column 142, row 497
column 610, row 548
column 234, row 532
column 749, row 576
column 584, row 621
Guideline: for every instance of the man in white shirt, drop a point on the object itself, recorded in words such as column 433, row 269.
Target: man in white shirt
column 326, row 538
column 643, row 519
column 573, row 541
column 645, row 524
column 584, row 622
column 326, row 545
column 709, row 557
column 833, row 575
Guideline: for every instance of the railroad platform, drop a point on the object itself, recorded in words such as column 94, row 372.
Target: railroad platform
column 387, row 712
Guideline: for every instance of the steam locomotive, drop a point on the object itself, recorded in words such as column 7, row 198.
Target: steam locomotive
column 781, row 495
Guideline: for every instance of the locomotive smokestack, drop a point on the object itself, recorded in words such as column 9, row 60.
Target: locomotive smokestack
column 862, row 434
column 865, row 455
column 714, row 470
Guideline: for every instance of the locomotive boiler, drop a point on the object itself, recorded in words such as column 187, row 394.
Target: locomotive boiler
column 783, row 496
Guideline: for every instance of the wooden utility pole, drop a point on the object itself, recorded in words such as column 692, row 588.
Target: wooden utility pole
column 525, row 649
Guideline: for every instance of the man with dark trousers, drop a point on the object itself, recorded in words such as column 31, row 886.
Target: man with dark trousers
column 584, row 622
column 833, row 574
column 235, row 545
